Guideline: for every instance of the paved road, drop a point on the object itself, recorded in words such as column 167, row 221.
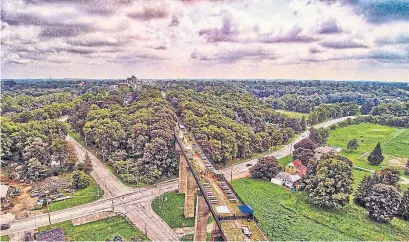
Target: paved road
column 242, row 170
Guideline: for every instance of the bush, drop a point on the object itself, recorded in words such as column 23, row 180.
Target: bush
column 404, row 206
column 329, row 182
column 80, row 180
column 266, row 168
column 376, row 157
column 383, row 202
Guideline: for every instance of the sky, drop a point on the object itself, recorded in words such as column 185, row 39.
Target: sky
column 272, row 39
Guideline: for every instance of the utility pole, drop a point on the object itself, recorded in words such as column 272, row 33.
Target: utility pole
column 127, row 170
column 48, row 209
column 112, row 205
column 98, row 190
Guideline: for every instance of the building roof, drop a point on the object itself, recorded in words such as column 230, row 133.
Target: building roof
column 3, row 190
column 246, row 209
column 325, row 149
column 287, row 176
column 222, row 209
column 50, row 235
column 297, row 163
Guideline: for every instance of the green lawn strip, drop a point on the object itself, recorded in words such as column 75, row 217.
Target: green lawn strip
column 394, row 142
column 292, row 114
column 170, row 208
column 285, row 215
column 285, row 160
column 99, row 230
column 4, row 238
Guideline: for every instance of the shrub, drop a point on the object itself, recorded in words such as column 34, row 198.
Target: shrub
column 266, row 168
column 383, row 202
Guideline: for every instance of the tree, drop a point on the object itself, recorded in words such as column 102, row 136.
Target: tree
column 303, row 123
column 329, row 182
column 383, row 202
column 365, row 187
column 376, row 157
column 80, row 180
column 390, row 176
column 87, row 163
column 404, row 206
column 266, row 168
column 352, row 145
column 304, row 151
column 407, row 168
column 319, row 136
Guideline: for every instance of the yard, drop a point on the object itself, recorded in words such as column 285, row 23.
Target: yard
column 101, row 230
column 394, row 143
column 82, row 196
column 285, row 215
column 170, row 209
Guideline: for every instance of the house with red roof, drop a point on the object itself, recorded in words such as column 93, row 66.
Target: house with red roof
column 296, row 167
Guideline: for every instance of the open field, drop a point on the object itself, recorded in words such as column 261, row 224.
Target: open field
column 100, row 230
column 292, row 114
column 82, row 196
column 285, row 160
column 4, row 238
column 394, row 143
column 285, row 215
column 170, row 209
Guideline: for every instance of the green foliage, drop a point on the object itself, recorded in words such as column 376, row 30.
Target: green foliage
column 87, row 163
column 353, row 145
column 266, row 168
column 101, row 230
column 404, row 206
column 289, row 216
column 383, row 202
column 304, row 151
column 80, row 180
column 228, row 123
column 319, row 136
column 329, row 182
column 376, row 157
column 170, row 208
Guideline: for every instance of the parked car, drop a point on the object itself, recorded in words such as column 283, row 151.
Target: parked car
column 248, row 164
column 4, row 226
column 246, row 231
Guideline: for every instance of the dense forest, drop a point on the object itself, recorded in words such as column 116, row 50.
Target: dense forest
column 229, row 123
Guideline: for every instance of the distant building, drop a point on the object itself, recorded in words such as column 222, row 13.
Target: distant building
column 50, row 235
column 325, row 150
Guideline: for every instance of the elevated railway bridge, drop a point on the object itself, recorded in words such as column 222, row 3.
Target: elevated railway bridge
column 199, row 178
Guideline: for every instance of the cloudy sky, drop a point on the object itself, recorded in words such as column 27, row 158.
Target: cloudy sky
column 301, row 39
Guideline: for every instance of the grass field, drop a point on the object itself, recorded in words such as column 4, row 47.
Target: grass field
column 171, row 210
column 394, row 143
column 286, row 215
column 4, row 238
column 285, row 160
column 83, row 196
column 292, row 114
column 101, row 230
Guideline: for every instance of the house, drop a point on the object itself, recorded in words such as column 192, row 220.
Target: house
column 288, row 180
column 50, row 235
column 325, row 150
column 296, row 167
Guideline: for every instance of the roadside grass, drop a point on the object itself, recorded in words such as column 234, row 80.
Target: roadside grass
column 394, row 143
column 286, row 215
column 292, row 114
column 82, row 196
column 4, row 238
column 171, row 208
column 101, row 230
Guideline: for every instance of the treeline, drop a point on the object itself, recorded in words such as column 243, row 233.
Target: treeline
column 331, row 111
column 229, row 123
column 137, row 140
column 36, row 149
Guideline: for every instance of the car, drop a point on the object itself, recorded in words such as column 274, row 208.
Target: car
column 4, row 226
column 246, row 231
column 248, row 164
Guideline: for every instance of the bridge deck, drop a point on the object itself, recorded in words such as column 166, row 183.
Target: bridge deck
column 218, row 193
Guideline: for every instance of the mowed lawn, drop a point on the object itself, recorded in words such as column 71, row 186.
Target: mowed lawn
column 285, row 215
column 82, row 196
column 394, row 144
column 101, row 230
column 170, row 208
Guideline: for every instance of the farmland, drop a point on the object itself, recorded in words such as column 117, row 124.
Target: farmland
column 394, row 143
column 285, row 215
column 101, row 230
